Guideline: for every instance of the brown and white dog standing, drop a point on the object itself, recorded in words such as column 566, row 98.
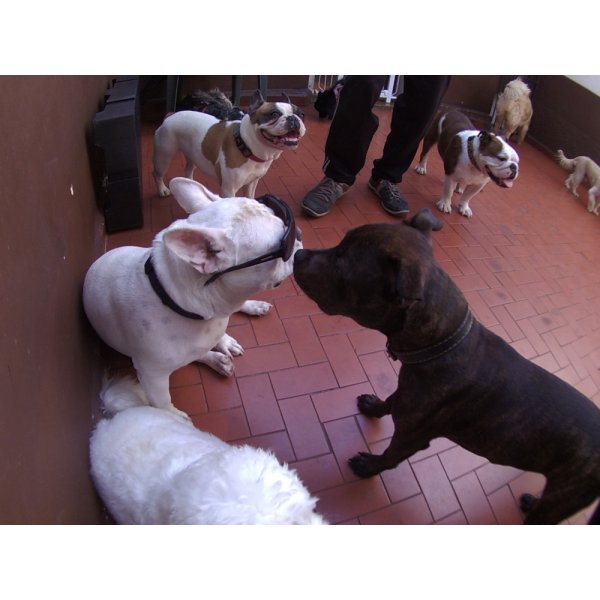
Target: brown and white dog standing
column 514, row 111
column 582, row 167
column 471, row 158
column 237, row 153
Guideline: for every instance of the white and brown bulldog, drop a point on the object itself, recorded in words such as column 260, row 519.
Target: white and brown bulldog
column 471, row 158
column 237, row 153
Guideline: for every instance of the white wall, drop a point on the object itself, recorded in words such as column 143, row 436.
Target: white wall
column 591, row 82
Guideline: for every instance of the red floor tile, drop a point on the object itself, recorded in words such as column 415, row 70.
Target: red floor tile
column 529, row 264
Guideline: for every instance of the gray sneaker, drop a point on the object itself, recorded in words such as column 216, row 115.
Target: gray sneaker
column 391, row 199
column 318, row 202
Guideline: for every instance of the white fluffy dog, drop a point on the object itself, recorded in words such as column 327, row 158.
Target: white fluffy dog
column 150, row 466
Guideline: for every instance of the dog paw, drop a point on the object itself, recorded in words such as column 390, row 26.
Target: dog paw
column 164, row 191
column 221, row 363
column 229, row 346
column 256, row 308
column 364, row 465
column 421, row 170
column 444, row 206
column 465, row 211
column 371, row 406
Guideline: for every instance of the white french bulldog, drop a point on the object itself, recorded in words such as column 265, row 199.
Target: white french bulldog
column 237, row 153
column 471, row 159
column 169, row 305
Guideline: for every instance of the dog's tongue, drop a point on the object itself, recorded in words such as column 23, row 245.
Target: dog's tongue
column 508, row 183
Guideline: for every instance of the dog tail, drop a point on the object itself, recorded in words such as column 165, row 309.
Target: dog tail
column 564, row 162
column 120, row 394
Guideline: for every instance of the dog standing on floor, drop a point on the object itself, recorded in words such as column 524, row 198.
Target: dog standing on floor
column 169, row 305
column 458, row 380
column 151, row 467
column 471, row 159
column 582, row 167
column 237, row 153
column 514, row 111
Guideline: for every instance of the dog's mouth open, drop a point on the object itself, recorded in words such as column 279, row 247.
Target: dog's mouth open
column 290, row 139
column 505, row 183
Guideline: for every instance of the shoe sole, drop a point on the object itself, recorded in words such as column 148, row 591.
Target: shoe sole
column 312, row 213
column 396, row 213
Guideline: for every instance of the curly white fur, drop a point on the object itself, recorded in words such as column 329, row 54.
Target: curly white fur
column 151, row 466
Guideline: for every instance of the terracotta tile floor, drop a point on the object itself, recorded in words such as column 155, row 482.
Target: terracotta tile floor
column 528, row 262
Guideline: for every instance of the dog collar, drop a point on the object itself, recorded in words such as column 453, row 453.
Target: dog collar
column 242, row 146
column 438, row 350
column 162, row 293
column 471, row 153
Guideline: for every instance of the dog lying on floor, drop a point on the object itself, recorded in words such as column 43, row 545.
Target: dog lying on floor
column 169, row 305
column 582, row 167
column 458, row 380
column 152, row 467
column 471, row 159
column 514, row 111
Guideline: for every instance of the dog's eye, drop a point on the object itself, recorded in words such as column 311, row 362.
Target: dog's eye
column 275, row 114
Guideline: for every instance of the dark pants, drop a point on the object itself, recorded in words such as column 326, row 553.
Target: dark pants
column 354, row 125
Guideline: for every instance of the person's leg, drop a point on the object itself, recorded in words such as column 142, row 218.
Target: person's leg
column 348, row 141
column 352, row 128
column 414, row 111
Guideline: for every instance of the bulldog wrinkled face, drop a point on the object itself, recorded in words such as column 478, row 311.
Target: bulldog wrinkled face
column 499, row 159
column 280, row 123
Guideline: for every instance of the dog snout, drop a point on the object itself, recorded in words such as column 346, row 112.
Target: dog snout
column 300, row 256
column 293, row 123
column 513, row 170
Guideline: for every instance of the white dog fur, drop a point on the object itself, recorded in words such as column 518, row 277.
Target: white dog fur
column 152, row 467
column 129, row 316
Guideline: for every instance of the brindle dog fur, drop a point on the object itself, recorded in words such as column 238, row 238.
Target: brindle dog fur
column 458, row 380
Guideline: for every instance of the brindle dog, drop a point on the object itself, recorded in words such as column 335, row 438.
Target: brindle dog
column 458, row 379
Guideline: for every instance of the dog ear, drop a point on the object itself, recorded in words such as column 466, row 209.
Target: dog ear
column 191, row 195
column 256, row 102
column 207, row 250
column 485, row 137
column 407, row 284
column 425, row 221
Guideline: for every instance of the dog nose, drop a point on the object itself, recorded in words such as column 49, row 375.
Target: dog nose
column 513, row 169
column 299, row 256
column 293, row 124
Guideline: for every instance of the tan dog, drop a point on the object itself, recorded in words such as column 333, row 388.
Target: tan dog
column 582, row 167
column 514, row 110
column 237, row 153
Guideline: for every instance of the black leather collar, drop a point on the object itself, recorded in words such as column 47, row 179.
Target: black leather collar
column 162, row 293
column 416, row 357
column 471, row 153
